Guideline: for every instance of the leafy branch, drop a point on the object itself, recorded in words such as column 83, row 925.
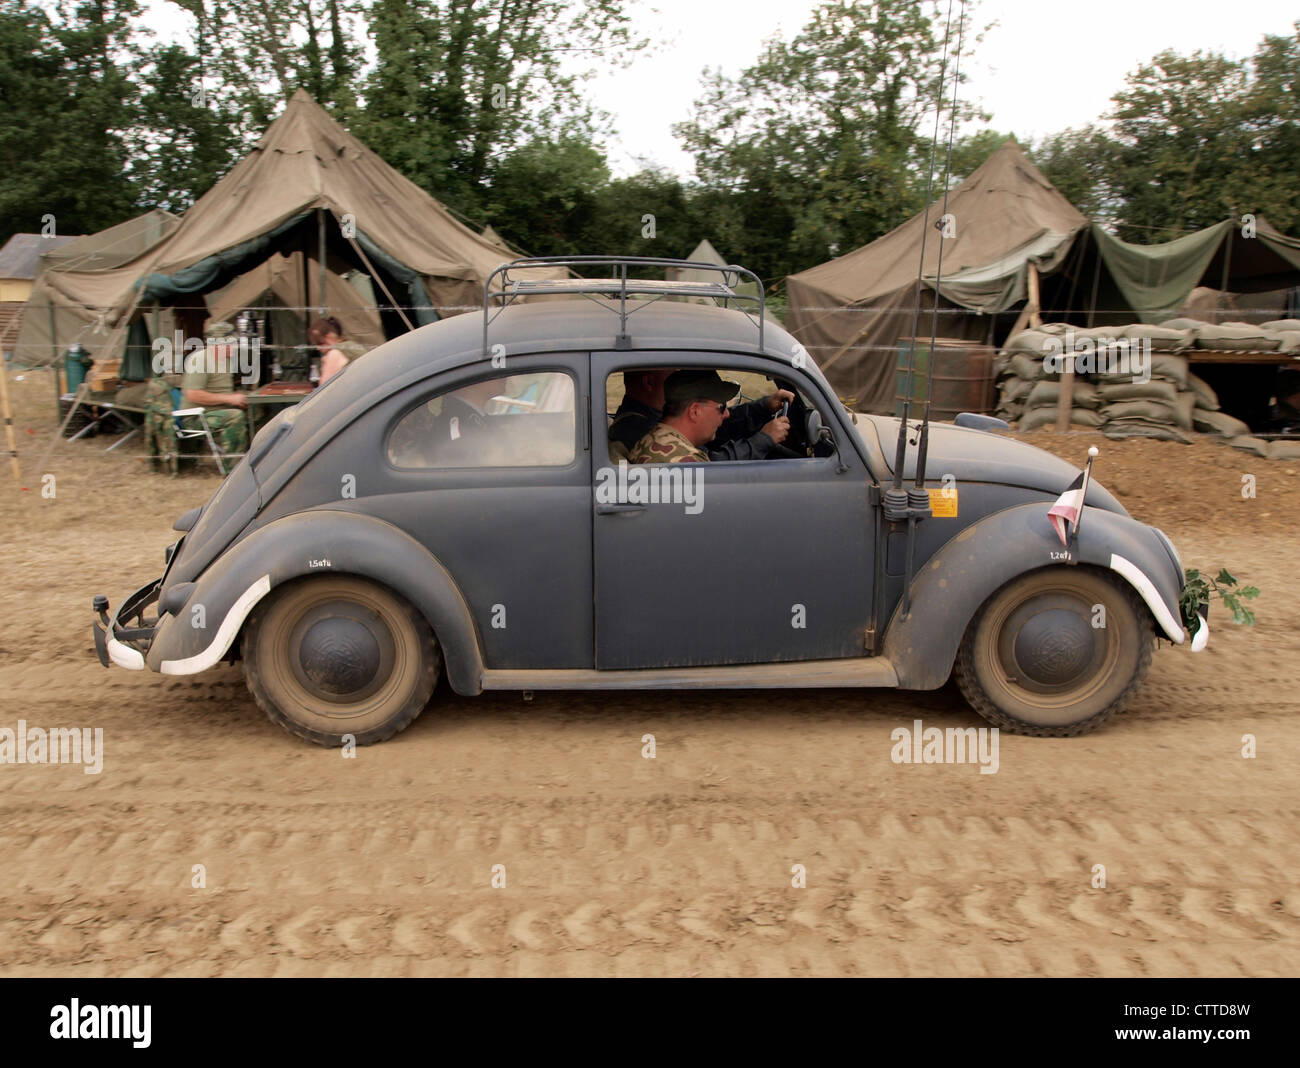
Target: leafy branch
column 1194, row 601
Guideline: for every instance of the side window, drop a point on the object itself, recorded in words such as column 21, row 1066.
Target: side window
column 637, row 395
column 524, row 420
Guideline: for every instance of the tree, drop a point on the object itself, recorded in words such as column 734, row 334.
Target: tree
column 66, row 105
column 458, row 82
column 1181, row 140
column 824, row 142
column 1081, row 164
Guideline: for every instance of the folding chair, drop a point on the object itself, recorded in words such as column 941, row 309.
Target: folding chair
column 204, row 431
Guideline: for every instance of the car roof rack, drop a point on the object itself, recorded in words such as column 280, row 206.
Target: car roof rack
column 613, row 292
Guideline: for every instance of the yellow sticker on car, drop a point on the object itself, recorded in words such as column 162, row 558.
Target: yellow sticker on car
column 943, row 502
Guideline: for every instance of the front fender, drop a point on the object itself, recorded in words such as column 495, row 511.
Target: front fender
column 320, row 541
column 966, row 571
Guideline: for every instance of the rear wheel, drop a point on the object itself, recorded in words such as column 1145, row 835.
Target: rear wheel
column 339, row 655
column 1056, row 652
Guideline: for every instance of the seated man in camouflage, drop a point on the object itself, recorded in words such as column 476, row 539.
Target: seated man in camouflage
column 208, row 382
column 750, row 432
column 695, row 407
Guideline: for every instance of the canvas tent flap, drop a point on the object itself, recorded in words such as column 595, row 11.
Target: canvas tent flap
column 1003, row 283
column 282, row 277
column 1157, row 279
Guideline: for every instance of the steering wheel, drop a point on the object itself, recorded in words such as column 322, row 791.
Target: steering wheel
column 805, row 435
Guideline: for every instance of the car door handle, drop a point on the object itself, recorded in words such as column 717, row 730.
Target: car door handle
column 615, row 509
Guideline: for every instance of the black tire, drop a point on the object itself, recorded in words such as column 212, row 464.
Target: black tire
column 1032, row 661
column 335, row 655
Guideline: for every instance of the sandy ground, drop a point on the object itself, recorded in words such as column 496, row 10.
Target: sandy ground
column 619, row 865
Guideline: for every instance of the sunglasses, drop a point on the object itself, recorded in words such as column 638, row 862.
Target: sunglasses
column 712, row 404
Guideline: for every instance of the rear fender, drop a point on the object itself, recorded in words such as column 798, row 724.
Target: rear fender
column 317, row 542
column 967, row 570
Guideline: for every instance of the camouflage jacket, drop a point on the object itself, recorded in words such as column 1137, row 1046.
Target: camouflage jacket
column 665, row 445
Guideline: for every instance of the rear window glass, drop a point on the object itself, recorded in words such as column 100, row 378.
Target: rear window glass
column 524, row 420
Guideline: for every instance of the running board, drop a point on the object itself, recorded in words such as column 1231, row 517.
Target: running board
column 870, row 671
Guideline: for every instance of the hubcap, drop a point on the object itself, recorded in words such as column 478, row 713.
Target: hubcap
column 339, row 656
column 1053, row 647
column 1047, row 646
column 342, row 653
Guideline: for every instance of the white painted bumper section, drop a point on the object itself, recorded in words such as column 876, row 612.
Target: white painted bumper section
column 225, row 633
column 1202, row 635
column 124, row 656
column 1173, row 628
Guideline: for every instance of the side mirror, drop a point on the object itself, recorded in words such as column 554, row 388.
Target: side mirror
column 813, row 426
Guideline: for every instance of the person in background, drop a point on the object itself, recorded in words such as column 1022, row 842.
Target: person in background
column 210, row 383
column 326, row 334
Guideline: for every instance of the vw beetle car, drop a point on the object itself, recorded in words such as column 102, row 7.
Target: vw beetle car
column 450, row 503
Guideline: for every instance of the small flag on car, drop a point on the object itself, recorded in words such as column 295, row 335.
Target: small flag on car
column 1066, row 510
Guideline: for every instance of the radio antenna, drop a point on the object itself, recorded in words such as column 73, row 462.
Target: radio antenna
column 900, row 504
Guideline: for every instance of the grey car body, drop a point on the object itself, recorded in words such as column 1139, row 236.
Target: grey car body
column 789, row 575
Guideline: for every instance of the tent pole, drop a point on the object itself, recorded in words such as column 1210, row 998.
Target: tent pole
column 1096, row 280
column 7, row 412
column 320, row 229
column 306, row 289
column 1227, row 259
column 54, row 363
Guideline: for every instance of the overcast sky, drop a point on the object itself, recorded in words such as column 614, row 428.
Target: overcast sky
column 1044, row 67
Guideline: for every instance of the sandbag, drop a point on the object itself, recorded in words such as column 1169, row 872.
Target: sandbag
column 1184, row 323
column 1014, row 389
column 1186, row 409
column 1056, row 329
column 1156, row 390
column 1162, row 338
column 1235, row 337
column 1049, row 392
column 1033, row 342
column 1284, row 450
column 1010, row 412
column 1151, row 411
column 1220, row 423
column 1288, row 341
column 1281, row 325
column 1045, row 416
column 1250, row 443
column 1205, row 396
column 1028, row 368
column 1173, row 368
column 1139, row 429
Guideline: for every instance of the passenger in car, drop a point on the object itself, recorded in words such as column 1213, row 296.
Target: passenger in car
column 749, row 432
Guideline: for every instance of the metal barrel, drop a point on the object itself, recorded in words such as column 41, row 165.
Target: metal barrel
column 962, row 382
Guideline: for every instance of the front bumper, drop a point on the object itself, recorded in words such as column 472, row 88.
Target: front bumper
column 123, row 638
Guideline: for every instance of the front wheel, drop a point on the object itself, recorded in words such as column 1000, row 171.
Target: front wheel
column 1055, row 652
column 337, row 655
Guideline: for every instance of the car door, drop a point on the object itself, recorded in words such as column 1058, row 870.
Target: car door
column 728, row 562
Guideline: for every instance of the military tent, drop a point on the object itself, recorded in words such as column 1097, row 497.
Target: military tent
column 850, row 312
column 308, row 187
column 58, row 313
column 1003, row 220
